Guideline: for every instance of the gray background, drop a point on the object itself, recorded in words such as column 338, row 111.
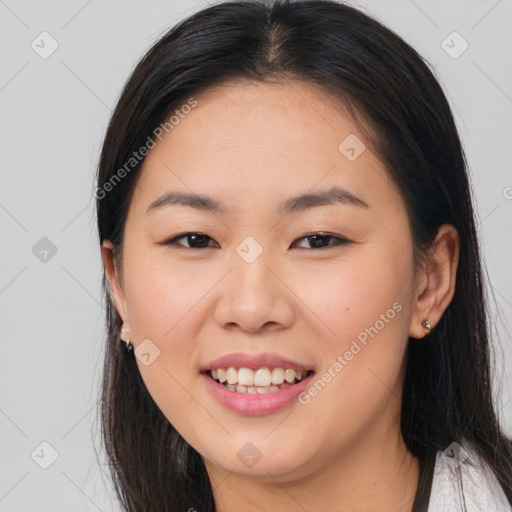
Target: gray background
column 53, row 115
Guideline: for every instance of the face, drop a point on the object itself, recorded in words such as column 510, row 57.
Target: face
column 269, row 282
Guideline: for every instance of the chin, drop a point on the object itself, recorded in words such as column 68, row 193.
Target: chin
column 266, row 463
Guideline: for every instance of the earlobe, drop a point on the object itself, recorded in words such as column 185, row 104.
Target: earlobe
column 438, row 280
column 113, row 279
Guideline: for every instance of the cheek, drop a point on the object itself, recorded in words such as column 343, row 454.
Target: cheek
column 367, row 292
column 366, row 305
column 161, row 295
column 164, row 305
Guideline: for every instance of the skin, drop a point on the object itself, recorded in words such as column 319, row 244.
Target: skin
column 251, row 146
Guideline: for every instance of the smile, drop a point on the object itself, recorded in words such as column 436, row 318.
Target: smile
column 261, row 380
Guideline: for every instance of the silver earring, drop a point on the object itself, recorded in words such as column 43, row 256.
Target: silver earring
column 129, row 345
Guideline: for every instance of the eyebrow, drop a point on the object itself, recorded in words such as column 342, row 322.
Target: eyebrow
column 334, row 195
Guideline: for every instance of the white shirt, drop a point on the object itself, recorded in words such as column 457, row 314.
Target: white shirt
column 461, row 478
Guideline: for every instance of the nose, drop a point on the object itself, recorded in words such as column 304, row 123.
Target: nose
column 253, row 298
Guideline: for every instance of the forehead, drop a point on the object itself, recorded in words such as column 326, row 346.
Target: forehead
column 247, row 140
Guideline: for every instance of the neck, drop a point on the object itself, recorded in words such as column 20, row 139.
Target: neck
column 374, row 474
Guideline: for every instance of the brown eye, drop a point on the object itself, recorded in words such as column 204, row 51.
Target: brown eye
column 320, row 241
column 194, row 240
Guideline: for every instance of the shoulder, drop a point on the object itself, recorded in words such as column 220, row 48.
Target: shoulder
column 462, row 481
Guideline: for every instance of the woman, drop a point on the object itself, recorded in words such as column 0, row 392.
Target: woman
column 295, row 307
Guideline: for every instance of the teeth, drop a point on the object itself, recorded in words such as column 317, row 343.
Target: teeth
column 277, row 376
column 245, row 376
column 232, row 376
column 263, row 380
column 262, row 377
column 289, row 376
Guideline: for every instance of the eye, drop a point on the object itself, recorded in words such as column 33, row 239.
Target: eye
column 194, row 240
column 319, row 240
column 201, row 241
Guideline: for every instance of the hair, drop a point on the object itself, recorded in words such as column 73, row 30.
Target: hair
column 380, row 79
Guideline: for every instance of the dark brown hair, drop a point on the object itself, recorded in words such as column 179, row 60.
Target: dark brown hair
column 447, row 392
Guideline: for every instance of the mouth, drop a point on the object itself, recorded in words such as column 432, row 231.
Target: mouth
column 257, row 381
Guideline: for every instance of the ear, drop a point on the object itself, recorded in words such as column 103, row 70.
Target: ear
column 436, row 281
column 114, row 281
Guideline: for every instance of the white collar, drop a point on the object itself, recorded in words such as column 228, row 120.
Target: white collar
column 461, row 478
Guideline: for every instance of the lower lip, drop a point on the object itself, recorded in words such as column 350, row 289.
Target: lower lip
column 258, row 404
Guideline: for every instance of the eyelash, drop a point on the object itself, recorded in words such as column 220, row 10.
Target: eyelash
column 339, row 240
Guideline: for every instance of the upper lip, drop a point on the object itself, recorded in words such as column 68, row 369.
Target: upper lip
column 253, row 361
